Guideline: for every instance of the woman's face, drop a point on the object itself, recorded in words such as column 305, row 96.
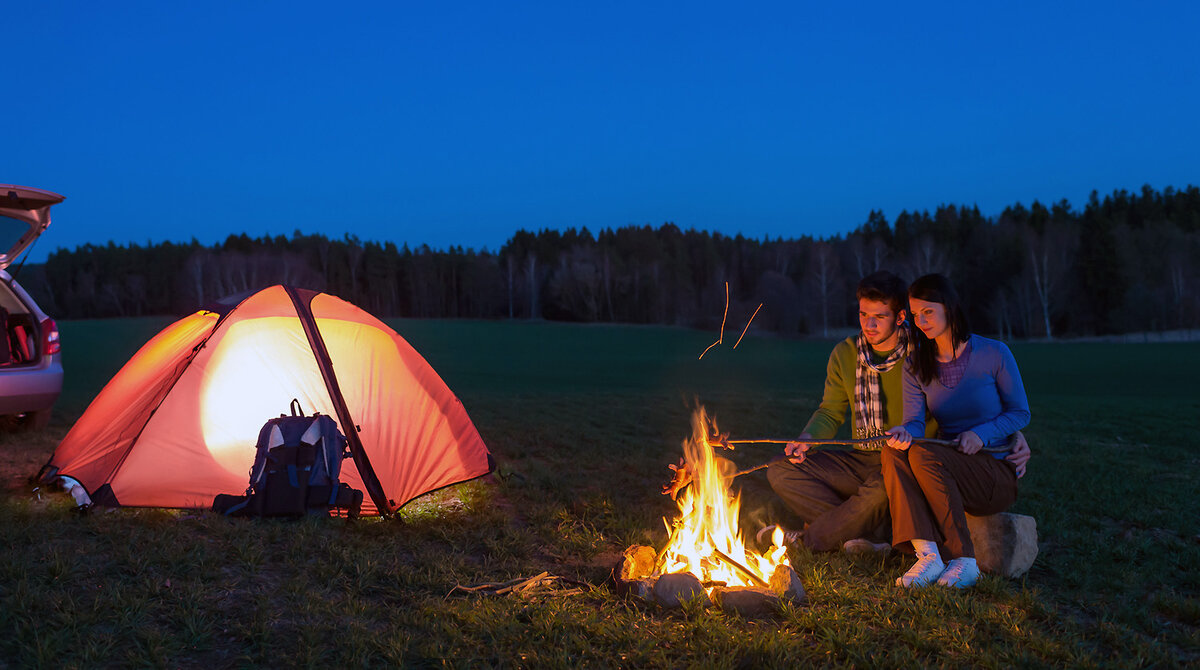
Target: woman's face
column 930, row 317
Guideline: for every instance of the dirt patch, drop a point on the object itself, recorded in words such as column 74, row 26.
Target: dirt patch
column 22, row 455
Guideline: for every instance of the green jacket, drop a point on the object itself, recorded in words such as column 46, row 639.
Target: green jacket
column 839, row 394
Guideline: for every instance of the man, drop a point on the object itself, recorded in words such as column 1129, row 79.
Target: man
column 839, row 494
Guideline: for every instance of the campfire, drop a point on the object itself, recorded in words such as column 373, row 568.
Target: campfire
column 706, row 555
column 704, row 539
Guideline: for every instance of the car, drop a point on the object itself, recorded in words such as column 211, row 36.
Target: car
column 31, row 372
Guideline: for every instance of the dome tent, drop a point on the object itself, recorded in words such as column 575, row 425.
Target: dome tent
column 177, row 425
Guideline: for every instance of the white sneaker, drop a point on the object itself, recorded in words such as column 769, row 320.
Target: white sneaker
column 763, row 536
column 961, row 573
column 860, row 545
column 923, row 573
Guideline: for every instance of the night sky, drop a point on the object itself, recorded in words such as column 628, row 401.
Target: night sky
column 452, row 123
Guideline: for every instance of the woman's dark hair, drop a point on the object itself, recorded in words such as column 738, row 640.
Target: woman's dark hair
column 936, row 288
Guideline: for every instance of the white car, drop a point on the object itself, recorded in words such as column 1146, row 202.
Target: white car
column 31, row 373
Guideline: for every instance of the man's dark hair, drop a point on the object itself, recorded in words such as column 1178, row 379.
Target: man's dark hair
column 885, row 287
column 937, row 288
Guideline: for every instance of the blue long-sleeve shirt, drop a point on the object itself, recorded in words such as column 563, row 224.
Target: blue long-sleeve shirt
column 989, row 400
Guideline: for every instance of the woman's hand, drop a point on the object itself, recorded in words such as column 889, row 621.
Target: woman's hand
column 898, row 438
column 1020, row 454
column 969, row 443
column 796, row 450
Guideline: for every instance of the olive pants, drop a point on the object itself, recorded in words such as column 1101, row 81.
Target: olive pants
column 839, row 495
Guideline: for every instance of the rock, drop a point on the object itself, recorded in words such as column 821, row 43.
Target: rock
column 674, row 589
column 638, row 563
column 749, row 601
column 642, row 588
column 1005, row 544
column 785, row 583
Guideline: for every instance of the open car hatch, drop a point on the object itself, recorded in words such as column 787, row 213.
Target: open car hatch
column 24, row 214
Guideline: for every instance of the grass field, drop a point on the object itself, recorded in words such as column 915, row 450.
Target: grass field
column 582, row 421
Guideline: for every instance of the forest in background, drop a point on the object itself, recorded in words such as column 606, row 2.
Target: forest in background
column 1127, row 262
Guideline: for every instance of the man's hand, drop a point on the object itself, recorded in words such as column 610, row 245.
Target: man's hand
column 968, row 442
column 1020, row 454
column 796, row 450
column 898, row 438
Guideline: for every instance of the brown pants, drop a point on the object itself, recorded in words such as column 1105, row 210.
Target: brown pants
column 930, row 489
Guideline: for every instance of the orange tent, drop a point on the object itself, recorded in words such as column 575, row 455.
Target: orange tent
column 178, row 424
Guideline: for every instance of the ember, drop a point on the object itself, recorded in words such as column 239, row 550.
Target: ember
column 704, row 540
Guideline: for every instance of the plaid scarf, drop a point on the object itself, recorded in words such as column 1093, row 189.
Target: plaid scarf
column 868, row 400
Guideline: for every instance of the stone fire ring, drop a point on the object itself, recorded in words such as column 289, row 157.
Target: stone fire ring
column 634, row 577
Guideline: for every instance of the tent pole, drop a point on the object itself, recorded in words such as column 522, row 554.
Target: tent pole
column 370, row 479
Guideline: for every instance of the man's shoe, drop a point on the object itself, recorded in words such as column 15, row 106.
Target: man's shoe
column 961, row 573
column 764, row 536
column 923, row 573
column 861, row 545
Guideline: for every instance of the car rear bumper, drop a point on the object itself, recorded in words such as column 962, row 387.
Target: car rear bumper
column 30, row 389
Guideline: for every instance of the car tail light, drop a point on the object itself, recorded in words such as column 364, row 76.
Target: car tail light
column 50, row 343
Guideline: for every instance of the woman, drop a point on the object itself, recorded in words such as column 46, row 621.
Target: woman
column 971, row 385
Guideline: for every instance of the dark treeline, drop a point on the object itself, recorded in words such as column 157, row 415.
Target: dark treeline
column 1125, row 262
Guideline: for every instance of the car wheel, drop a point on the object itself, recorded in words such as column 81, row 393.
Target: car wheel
column 36, row 420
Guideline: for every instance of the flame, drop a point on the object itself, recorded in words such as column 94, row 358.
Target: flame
column 704, row 538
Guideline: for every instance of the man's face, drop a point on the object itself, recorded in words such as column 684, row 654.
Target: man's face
column 880, row 325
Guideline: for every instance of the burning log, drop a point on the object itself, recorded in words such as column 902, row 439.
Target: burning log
column 639, row 562
column 745, row 572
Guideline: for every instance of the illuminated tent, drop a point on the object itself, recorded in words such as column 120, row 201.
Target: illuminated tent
column 178, row 424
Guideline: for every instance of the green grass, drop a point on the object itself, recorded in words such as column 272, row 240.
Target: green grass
column 582, row 421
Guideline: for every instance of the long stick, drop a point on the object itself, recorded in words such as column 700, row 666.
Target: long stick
column 746, row 572
column 674, row 487
column 781, row 458
column 831, row 442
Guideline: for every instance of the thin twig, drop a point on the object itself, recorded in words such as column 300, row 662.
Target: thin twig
column 488, row 586
column 543, row 584
column 773, row 461
column 523, row 585
column 725, row 315
column 721, row 336
column 671, row 530
column 747, row 325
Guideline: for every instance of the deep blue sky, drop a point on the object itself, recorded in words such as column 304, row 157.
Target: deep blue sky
column 458, row 123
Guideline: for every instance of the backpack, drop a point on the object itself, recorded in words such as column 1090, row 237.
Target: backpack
column 296, row 466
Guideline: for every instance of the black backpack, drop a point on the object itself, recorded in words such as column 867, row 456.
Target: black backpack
column 295, row 471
